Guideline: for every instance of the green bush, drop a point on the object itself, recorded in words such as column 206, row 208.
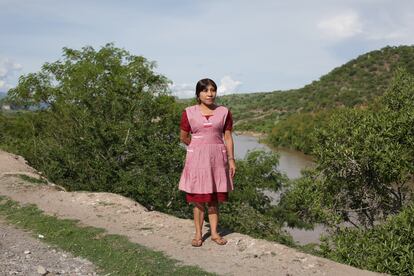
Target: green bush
column 387, row 248
column 249, row 210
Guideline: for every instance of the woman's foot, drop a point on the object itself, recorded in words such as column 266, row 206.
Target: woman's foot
column 197, row 241
column 219, row 240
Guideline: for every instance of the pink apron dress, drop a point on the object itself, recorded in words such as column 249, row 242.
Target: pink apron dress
column 206, row 169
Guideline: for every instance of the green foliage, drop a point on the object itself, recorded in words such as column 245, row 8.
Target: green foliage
column 249, row 210
column 298, row 130
column 303, row 203
column 365, row 160
column 105, row 122
column 32, row 179
column 110, row 125
column 388, row 247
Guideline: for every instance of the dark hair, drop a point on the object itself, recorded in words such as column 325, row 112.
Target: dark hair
column 202, row 85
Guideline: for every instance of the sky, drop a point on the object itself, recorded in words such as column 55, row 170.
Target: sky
column 245, row 46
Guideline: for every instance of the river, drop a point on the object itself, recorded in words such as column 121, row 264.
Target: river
column 291, row 163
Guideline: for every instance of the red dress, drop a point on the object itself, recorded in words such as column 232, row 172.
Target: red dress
column 217, row 196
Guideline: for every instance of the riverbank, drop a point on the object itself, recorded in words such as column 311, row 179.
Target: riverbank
column 258, row 135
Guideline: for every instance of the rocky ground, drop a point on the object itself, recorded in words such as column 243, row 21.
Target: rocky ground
column 242, row 255
column 22, row 254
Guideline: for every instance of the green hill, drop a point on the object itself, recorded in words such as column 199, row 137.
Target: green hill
column 354, row 83
column 290, row 117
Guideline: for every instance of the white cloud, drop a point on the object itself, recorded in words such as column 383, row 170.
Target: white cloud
column 227, row 85
column 7, row 69
column 341, row 26
column 184, row 90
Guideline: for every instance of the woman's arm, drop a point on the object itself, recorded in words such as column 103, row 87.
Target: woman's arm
column 185, row 137
column 228, row 140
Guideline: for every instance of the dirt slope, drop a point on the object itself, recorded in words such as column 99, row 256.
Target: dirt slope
column 242, row 255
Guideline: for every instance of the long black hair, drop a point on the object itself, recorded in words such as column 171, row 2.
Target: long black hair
column 202, row 85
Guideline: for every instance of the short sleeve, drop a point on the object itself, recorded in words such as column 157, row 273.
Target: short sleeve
column 185, row 124
column 228, row 125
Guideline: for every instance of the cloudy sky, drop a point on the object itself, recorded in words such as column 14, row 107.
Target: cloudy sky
column 246, row 46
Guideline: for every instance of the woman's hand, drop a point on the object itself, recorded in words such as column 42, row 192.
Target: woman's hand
column 232, row 167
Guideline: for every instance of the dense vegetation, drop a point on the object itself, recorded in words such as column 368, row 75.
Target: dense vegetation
column 387, row 247
column 364, row 177
column 106, row 122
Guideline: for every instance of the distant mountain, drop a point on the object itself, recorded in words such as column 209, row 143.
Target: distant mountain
column 355, row 83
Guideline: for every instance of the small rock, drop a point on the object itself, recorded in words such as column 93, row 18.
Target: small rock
column 40, row 236
column 41, row 270
column 27, row 252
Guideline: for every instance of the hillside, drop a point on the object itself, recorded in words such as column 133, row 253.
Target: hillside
column 355, row 83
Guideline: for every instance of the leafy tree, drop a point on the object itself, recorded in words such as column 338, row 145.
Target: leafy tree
column 107, row 124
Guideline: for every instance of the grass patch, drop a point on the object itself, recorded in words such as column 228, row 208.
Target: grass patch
column 112, row 254
column 32, row 179
column 29, row 179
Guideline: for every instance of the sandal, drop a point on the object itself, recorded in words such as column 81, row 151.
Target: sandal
column 219, row 240
column 197, row 242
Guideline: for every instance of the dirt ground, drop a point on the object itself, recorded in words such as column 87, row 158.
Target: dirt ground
column 242, row 255
column 22, row 254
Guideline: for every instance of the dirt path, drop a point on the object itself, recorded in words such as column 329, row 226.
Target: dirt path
column 242, row 255
column 22, row 254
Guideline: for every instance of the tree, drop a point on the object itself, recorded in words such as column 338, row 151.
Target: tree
column 107, row 123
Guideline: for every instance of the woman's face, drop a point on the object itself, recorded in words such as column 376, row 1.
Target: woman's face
column 208, row 95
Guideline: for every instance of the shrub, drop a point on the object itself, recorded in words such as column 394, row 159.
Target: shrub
column 387, row 248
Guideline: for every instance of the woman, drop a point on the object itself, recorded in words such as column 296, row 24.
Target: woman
column 209, row 167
